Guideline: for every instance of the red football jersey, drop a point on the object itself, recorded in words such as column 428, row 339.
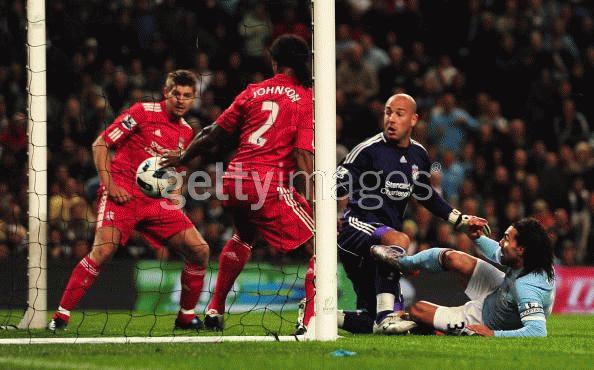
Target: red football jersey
column 273, row 118
column 145, row 130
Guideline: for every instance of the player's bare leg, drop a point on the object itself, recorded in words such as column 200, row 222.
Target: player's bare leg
column 84, row 274
column 235, row 254
column 107, row 240
column 190, row 244
column 435, row 260
column 463, row 264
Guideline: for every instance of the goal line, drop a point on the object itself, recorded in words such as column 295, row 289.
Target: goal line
column 134, row 340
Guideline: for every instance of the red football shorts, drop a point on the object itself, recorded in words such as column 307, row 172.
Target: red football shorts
column 146, row 215
column 284, row 219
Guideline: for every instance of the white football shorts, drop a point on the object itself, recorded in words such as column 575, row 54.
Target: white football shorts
column 485, row 280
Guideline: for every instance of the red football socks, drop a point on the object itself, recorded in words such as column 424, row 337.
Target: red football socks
column 233, row 258
column 192, row 279
column 310, row 292
column 81, row 279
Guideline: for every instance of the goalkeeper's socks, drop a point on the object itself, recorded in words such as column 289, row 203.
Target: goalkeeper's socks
column 233, row 258
column 428, row 260
column 310, row 292
column 192, row 279
column 81, row 279
column 356, row 322
column 387, row 288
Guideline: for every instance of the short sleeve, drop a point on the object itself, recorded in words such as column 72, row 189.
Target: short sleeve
column 230, row 119
column 124, row 125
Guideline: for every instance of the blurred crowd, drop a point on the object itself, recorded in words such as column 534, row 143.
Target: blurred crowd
column 504, row 91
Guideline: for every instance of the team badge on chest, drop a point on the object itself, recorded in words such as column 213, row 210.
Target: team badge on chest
column 415, row 172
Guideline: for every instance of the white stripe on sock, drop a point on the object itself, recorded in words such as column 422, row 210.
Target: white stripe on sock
column 63, row 311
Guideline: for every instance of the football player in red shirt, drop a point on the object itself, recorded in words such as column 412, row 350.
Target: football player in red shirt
column 145, row 130
column 275, row 123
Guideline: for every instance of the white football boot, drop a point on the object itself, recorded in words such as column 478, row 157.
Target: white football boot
column 393, row 324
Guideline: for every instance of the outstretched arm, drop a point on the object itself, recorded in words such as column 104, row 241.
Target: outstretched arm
column 203, row 142
column 430, row 199
column 489, row 248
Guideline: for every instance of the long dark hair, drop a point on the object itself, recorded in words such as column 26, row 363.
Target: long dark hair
column 538, row 249
column 292, row 51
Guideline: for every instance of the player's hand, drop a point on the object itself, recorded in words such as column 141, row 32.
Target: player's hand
column 472, row 226
column 171, row 158
column 481, row 330
column 118, row 194
column 477, row 227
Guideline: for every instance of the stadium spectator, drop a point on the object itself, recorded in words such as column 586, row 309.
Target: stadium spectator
column 571, row 126
column 13, row 136
column 255, row 28
column 452, row 173
column 375, row 57
column 394, row 73
column 356, row 78
column 450, row 124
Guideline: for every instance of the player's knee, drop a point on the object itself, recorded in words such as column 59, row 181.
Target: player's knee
column 404, row 240
column 394, row 237
column 199, row 253
column 457, row 261
column 103, row 252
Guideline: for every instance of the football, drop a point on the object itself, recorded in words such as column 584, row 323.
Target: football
column 152, row 178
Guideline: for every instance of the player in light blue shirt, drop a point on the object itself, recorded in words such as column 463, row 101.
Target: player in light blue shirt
column 514, row 303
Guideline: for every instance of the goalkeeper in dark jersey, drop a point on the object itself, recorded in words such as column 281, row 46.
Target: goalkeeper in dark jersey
column 379, row 176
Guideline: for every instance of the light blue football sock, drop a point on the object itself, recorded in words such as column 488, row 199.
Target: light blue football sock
column 427, row 260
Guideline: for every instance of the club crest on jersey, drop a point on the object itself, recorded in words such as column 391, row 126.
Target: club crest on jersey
column 341, row 172
column 128, row 123
column 415, row 172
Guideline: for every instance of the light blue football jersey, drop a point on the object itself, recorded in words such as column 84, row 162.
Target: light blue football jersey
column 521, row 304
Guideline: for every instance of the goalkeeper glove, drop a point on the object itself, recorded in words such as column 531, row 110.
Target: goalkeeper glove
column 468, row 224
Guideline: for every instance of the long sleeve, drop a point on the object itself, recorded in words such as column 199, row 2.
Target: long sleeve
column 428, row 196
column 489, row 248
column 529, row 294
column 530, row 329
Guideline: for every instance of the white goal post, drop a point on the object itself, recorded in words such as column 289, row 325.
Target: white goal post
column 325, row 164
column 36, row 314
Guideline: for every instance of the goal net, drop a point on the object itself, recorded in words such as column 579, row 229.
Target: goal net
column 71, row 69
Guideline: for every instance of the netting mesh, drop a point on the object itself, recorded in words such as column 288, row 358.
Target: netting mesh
column 102, row 57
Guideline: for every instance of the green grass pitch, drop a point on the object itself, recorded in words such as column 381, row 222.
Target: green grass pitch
column 570, row 344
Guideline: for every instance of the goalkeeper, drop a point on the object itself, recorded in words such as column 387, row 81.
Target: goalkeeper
column 379, row 176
